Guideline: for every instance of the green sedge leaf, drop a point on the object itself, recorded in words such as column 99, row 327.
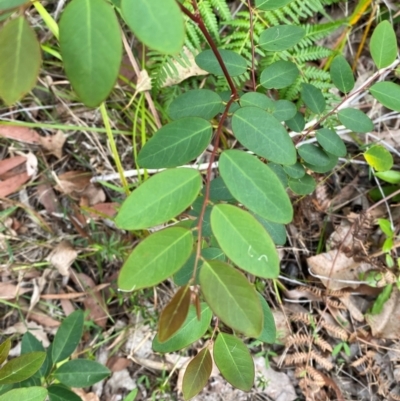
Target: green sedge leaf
column 158, row 24
column 132, row 395
column 4, row 350
column 355, row 120
column 257, row 99
column 275, row 230
column 284, row 110
column 341, row 74
column 21, row 368
column 192, row 330
column 203, row 103
column 9, row 4
column 156, row 258
column 313, row 98
column 68, row 336
column 58, row 392
column 231, row 297
column 25, row 394
column 313, row 155
column 383, row 297
column 323, row 169
column 268, row 5
column 234, row 361
column 20, row 60
column 249, row 125
column 256, row 186
column 379, row 158
column 279, row 75
column 245, row 241
column 197, row 374
column 303, row 186
column 295, row 170
column 91, row 48
column 176, row 143
column 386, row 227
column 297, row 123
column 235, row 63
column 387, row 93
column 268, row 334
column 281, row 37
column 174, row 314
column 81, row 373
column 331, row 142
column 383, row 45
column 159, row 199
column 391, row 176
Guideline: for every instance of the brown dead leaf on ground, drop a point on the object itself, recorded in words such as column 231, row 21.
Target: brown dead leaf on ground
column 8, row 165
column 103, row 210
column 35, row 329
column 86, row 396
column 336, row 270
column 62, row 257
column 47, row 198
column 116, row 364
column 54, row 143
column 10, row 291
column 387, row 323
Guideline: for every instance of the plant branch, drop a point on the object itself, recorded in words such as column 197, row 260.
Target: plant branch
column 196, row 18
column 253, row 55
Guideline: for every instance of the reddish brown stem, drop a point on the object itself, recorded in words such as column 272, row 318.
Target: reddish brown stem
column 253, row 55
column 196, row 18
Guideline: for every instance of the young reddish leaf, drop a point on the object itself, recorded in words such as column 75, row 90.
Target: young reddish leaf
column 231, row 297
column 234, row 361
column 197, row 374
column 20, row 60
column 174, row 314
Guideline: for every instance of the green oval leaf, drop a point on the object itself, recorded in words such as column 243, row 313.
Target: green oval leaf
column 91, row 48
column 8, row 4
column 258, row 100
column 30, row 343
column 280, row 173
column 379, row 158
column 191, row 331
column 256, row 186
column 176, row 143
column 81, row 373
column 156, row 258
column 284, row 110
column 331, row 142
column 4, row 350
column 231, row 297
column 159, row 199
column 157, row 23
column 279, row 75
column 313, row 98
column 174, row 314
column 355, row 120
column 276, row 231
column 249, row 127
column 235, row 63
column 388, row 93
column 68, row 336
column 58, row 392
column 245, row 241
column 219, row 191
column 268, row 5
column 268, row 334
column 302, row 186
column 383, row 45
column 234, row 361
column 202, row 103
column 341, row 74
column 313, row 155
column 20, row 60
column 295, row 170
column 297, row 123
column 21, row 368
column 391, row 176
column 25, row 394
column 197, row 374
column 281, row 37
column 324, row 169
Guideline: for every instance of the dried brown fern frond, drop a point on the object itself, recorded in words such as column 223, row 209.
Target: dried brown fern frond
column 322, row 344
column 297, row 358
column 359, row 333
column 365, row 359
column 312, row 373
column 298, row 339
column 308, row 386
column 335, row 304
column 321, row 360
column 394, row 395
column 303, row 318
column 335, row 331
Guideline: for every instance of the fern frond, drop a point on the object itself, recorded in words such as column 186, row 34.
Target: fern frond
column 210, row 19
column 222, row 9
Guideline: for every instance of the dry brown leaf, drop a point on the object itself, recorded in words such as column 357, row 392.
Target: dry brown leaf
column 73, row 183
column 43, row 319
column 336, row 270
column 62, row 257
column 105, row 210
column 8, row 165
column 143, row 82
column 115, row 363
column 86, row 396
column 35, row 329
column 53, row 143
column 47, row 198
column 22, row 134
column 11, row 291
column 387, row 323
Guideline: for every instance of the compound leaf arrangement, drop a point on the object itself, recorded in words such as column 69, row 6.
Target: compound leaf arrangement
column 213, row 233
